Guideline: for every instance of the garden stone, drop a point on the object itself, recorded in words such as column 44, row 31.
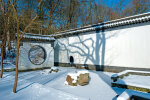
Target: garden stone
column 70, row 81
column 80, row 78
column 83, row 79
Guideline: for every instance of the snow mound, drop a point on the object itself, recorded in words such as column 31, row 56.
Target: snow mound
column 46, row 71
column 54, row 68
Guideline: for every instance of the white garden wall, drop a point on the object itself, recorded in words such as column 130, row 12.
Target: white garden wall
column 125, row 46
column 25, row 63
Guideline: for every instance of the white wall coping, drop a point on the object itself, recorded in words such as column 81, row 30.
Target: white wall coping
column 145, row 17
column 127, row 71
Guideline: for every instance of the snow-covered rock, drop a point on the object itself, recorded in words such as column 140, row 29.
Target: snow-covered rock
column 54, row 69
column 48, row 71
column 83, row 79
column 71, row 81
column 79, row 78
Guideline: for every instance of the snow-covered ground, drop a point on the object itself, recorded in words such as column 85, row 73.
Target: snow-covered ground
column 126, row 95
column 41, row 85
column 10, row 60
column 8, row 64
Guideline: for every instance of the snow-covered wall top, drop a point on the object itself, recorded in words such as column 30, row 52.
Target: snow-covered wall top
column 141, row 18
column 30, row 36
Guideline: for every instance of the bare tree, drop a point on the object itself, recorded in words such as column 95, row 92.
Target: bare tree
column 19, row 38
column 5, row 35
column 140, row 6
column 136, row 7
column 1, row 61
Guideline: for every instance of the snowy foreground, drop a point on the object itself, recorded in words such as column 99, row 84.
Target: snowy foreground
column 41, row 85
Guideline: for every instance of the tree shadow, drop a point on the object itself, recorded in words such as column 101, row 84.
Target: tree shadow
column 91, row 49
column 25, row 87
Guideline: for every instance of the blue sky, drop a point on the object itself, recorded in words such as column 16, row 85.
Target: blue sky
column 111, row 3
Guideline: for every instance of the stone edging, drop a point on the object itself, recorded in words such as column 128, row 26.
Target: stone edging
column 115, row 69
column 130, row 87
column 127, row 72
column 115, row 77
column 25, row 70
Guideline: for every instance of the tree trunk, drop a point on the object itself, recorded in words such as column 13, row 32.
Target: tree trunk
column 18, row 43
column 8, row 37
column 1, row 61
column 4, row 48
column 17, row 59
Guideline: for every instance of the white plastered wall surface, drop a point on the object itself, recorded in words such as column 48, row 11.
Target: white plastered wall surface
column 125, row 46
column 25, row 63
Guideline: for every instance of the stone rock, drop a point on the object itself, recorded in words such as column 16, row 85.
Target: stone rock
column 70, row 81
column 83, row 79
column 75, row 79
column 53, row 69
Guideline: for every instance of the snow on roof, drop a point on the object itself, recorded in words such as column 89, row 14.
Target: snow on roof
column 38, row 37
column 145, row 17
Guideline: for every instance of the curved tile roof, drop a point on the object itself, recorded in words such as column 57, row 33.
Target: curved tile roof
column 141, row 18
column 37, row 37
